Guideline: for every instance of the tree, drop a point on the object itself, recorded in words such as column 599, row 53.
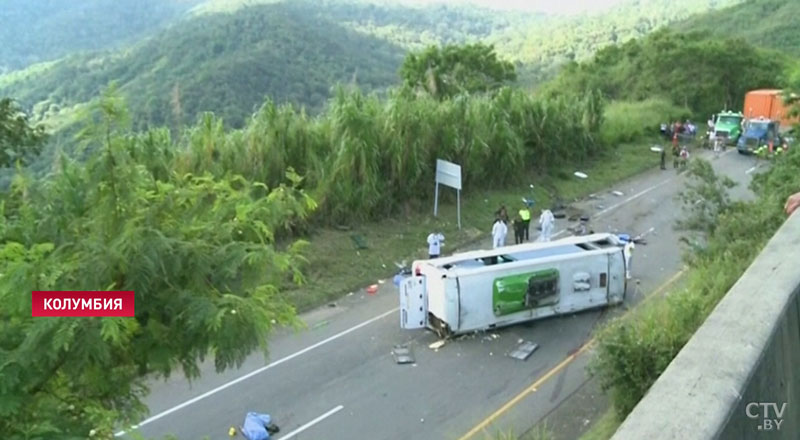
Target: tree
column 791, row 96
column 451, row 70
column 18, row 138
column 198, row 251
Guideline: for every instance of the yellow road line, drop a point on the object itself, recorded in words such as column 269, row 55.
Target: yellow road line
column 539, row 382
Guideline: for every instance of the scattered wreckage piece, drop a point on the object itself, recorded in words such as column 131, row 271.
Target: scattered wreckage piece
column 402, row 354
column 524, row 350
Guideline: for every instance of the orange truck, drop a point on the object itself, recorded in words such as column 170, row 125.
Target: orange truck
column 767, row 104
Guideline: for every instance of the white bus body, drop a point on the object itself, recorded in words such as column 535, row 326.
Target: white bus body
column 494, row 288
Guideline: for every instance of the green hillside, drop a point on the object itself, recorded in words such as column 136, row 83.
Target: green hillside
column 694, row 70
column 33, row 31
column 544, row 46
column 226, row 63
column 766, row 23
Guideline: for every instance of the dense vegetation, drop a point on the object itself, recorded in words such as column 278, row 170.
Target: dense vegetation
column 33, row 31
column 418, row 28
column 544, row 46
column 445, row 72
column 765, row 23
column 367, row 157
column 199, row 252
column 702, row 74
column 222, row 63
column 19, row 141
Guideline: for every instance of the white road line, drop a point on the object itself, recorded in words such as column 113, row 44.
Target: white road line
column 258, row 371
column 312, row 423
column 632, row 198
column 332, row 338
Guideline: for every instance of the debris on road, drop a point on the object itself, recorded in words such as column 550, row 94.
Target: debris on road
column 524, row 350
column 618, row 193
column 402, row 355
column 332, row 305
column 580, row 174
column 373, row 289
column 381, row 281
column 437, row 345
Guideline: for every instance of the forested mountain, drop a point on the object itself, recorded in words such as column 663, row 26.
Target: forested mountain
column 544, row 46
column 33, row 31
column 416, row 28
column 766, row 23
column 231, row 54
column 226, row 63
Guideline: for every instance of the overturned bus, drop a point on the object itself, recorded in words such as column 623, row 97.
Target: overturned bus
column 488, row 289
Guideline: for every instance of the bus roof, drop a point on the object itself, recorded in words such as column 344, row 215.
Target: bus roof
column 524, row 251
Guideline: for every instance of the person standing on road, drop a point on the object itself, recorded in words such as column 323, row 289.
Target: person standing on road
column 499, row 231
column 675, row 151
column 546, row 221
column 525, row 215
column 519, row 234
column 435, row 243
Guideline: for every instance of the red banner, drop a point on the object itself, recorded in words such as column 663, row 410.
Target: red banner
column 83, row 303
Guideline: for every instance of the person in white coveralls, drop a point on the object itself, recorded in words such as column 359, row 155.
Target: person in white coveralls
column 546, row 221
column 499, row 231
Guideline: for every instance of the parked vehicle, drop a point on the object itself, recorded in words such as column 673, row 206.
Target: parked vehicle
column 759, row 132
column 728, row 126
column 487, row 289
column 768, row 104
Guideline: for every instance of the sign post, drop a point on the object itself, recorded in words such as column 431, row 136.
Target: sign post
column 448, row 174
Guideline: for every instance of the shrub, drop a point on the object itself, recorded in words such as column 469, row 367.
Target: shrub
column 626, row 121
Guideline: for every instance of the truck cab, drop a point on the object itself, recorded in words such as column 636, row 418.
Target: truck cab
column 729, row 126
column 758, row 132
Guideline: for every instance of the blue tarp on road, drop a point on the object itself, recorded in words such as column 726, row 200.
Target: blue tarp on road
column 255, row 426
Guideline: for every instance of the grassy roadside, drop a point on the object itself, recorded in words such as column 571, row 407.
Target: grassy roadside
column 336, row 267
column 604, row 428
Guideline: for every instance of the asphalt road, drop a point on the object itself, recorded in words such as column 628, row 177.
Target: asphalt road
column 337, row 380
